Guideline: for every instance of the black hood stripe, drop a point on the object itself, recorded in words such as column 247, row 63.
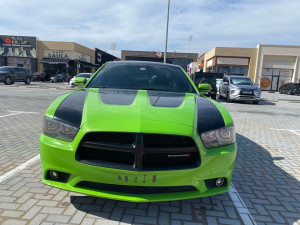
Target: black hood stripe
column 165, row 99
column 117, row 97
column 70, row 110
column 209, row 116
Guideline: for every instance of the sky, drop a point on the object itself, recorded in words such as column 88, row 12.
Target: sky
column 141, row 24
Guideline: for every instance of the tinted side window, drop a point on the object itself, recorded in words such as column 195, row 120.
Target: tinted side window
column 19, row 70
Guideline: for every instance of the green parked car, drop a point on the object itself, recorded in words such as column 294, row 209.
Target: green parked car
column 138, row 131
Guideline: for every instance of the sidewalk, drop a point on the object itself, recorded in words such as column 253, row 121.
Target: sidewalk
column 267, row 96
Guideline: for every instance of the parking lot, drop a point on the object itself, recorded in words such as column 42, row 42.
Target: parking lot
column 265, row 187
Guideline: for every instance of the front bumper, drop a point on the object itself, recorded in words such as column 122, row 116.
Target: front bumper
column 244, row 98
column 60, row 156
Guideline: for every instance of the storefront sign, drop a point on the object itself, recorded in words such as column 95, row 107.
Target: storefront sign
column 18, row 46
column 61, row 54
column 138, row 54
column 265, row 83
column 159, row 55
column 102, row 57
column 286, row 72
column 232, row 61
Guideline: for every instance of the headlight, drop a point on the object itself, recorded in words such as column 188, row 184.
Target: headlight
column 56, row 129
column 234, row 90
column 257, row 92
column 219, row 137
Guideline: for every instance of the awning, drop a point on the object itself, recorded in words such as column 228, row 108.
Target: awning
column 55, row 61
column 87, row 64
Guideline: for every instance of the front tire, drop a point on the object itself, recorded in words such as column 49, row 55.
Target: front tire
column 220, row 96
column 255, row 102
column 8, row 81
column 28, row 80
column 290, row 92
column 228, row 97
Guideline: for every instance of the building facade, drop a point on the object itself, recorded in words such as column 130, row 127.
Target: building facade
column 277, row 65
column 18, row 51
column 231, row 61
column 102, row 57
column 64, row 57
column 181, row 59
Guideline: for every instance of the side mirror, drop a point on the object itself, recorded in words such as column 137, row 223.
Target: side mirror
column 225, row 83
column 80, row 81
column 204, row 88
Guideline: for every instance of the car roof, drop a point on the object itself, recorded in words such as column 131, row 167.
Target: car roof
column 237, row 76
column 132, row 62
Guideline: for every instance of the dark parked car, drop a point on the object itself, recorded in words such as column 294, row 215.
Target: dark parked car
column 290, row 89
column 39, row 76
column 11, row 74
column 207, row 78
column 62, row 77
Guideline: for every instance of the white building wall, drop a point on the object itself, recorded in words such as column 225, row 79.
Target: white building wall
column 278, row 56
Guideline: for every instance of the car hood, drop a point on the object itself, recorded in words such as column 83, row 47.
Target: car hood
column 250, row 87
column 139, row 111
column 133, row 108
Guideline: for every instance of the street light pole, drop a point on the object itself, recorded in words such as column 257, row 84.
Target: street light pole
column 166, row 44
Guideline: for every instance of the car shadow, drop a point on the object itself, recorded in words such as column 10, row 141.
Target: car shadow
column 261, row 102
column 269, row 193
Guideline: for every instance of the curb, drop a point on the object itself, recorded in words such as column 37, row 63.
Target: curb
column 279, row 100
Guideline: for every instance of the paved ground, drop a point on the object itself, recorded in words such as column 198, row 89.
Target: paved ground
column 266, row 185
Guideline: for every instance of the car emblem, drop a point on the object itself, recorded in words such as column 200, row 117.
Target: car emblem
column 179, row 156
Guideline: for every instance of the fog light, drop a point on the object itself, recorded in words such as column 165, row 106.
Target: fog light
column 219, row 182
column 54, row 175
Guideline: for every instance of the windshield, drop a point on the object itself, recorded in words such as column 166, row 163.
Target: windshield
column 218, row 81
column 5, row 69
column 241, row 81
column 142, row 76
column 85, row 75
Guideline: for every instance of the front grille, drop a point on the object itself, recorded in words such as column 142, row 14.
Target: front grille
column 132, row 151
column 134, row 189
column 247, row 91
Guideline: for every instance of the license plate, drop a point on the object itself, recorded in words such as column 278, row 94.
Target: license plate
column 137, row 179
column 247, row 92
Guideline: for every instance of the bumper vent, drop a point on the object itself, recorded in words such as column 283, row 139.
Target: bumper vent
column 132, row 151
column 134, row 189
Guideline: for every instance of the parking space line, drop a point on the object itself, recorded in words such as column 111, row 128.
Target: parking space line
column 20, row 111
column 15, row 113
column 19, row 168
column 10, row 114
column 297, row 132
column 241, row 206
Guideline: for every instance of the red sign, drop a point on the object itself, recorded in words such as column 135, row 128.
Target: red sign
column 159, row 54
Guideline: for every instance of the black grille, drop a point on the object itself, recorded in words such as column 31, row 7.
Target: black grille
column 134, row 189
column 132, row 151
column 161, row 141
column 110, row 137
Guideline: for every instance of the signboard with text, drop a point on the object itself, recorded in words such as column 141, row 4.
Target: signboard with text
column 61, row 54
column 17, row 46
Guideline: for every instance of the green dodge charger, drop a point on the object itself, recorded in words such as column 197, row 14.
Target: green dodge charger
column 138, row 131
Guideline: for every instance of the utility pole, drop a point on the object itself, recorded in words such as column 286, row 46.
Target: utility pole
column 166, row 44
column 190, row 40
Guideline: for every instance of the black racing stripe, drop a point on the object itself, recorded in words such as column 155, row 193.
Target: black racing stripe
column 117, row 97
column 209, row 116
column 165, row 99
column 70, row 110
